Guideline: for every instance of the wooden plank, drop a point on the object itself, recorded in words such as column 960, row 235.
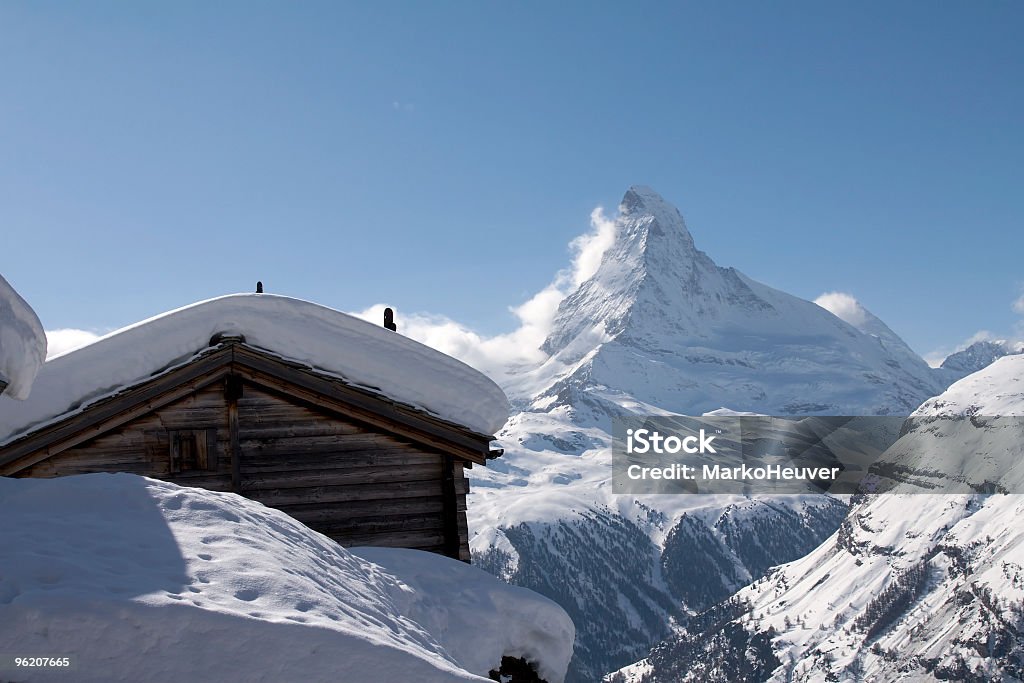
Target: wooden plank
column 235, row 447
column 286, row 461
column 433, row 541
column 362, row 476
column 383, row 524
column 199, row 479
column 277, row 497
column 427, row 506
column 287, row 426
column 255, row 446
column 211, row 454
column 450, row 513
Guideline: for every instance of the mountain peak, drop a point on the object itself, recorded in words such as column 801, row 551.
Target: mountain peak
column 645, row 213
column 651, row 274
column 979, row 355
column 639, row 195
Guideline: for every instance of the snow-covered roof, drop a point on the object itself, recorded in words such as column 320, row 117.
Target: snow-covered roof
column 330, row 341
column 22, row 343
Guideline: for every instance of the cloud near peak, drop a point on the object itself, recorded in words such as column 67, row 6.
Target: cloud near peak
column 843, row 306
column 500, row 354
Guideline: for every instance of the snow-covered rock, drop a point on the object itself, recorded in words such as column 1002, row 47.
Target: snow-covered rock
column 913, row 586
column 22, row 343
column 328, row 340
column 142, row 580
column 475, row 618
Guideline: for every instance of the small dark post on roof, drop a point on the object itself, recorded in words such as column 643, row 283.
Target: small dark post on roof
column 259, row 286
column 389, row 320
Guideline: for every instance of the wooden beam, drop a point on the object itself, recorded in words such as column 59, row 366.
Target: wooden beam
column 451, row 511
column 236, row 448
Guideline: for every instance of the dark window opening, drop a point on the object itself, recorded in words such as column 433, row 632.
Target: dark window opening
column 192, row 449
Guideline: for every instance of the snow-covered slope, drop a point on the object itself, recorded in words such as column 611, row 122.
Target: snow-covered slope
column 142, row 580
column 22, row 343
column 911, row 587
column 625, row 568
column 660, row 324
column 329, row 340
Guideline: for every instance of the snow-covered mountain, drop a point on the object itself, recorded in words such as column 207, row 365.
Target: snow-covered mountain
column 660, row 324
column 913, row 586
column 659, row 327
column 977, row 356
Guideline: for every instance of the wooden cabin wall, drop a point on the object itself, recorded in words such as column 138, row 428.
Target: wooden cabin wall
column 357, row 486
column 143, row 446
column 352, row 484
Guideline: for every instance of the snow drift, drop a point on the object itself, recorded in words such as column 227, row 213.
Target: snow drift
column 328, row 340
column 22, row 343
column 139, row 579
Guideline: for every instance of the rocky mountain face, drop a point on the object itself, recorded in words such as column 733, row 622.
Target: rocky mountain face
column 912, row 586
column 624, row 589
column 977, row 356
column 660, row 328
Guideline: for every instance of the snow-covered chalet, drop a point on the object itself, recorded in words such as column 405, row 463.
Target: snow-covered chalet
column 351, row 428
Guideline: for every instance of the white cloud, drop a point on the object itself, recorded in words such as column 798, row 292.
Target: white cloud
column 66, row 339
column 589, row 248
column 1018, row 305
column 499, row 354
column 843, row 306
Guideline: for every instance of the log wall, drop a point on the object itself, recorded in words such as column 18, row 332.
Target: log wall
column 350, row 482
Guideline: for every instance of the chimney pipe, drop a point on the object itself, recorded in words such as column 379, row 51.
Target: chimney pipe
column 389, row 320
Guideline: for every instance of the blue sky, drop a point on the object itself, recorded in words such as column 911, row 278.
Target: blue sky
column 441, row 156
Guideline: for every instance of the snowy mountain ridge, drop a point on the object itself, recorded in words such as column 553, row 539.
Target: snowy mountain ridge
column 979, row 355
column 919, row 586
